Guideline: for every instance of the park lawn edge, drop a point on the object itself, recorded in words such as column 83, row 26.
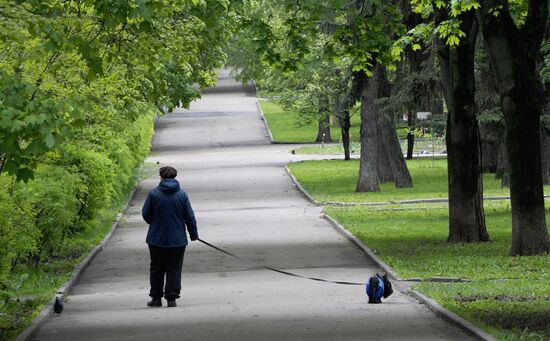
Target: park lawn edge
column 284, row 129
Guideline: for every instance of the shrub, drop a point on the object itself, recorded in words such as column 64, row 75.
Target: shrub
column 54, row 194
column 19, row 235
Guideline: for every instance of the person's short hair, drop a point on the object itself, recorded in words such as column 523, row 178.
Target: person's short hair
column 168, row 172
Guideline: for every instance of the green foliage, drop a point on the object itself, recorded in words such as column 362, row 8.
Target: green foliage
column 80, row 85
column 18, row 234
column 54, row 196
column 62, row 60
column 304, row 53
column 52, row 217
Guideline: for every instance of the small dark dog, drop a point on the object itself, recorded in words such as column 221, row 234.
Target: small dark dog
column 375, row 289
column 378, row 287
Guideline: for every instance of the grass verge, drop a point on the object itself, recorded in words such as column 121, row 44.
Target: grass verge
column 36, row 285
column 335, row 180
column 509, row 296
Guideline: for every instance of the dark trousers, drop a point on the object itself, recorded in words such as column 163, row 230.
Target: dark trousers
column 166, row 261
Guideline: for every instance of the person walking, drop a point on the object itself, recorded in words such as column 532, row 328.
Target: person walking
column 168, row 211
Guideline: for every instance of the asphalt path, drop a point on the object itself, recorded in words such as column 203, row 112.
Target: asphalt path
column 244, row 202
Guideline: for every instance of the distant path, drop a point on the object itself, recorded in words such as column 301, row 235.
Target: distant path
column 245, row 202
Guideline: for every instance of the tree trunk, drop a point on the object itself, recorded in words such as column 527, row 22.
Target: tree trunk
column 410, row 136
column 529, row 233
column 345, row 125
column 385, row 171
column 466, row 215
column 437, row 107
column 388, row 139
column 368, row 170
column 323, row 132
column 545, row 148
column 489, row 156
column 490, row 146
column 513, row 54
column 336, row 122
column 400, row 173
column 502, row 168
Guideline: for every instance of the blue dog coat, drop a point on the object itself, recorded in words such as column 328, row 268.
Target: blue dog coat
column 377, row 292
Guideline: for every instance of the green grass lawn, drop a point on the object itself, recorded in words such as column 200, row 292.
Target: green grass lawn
column 335, row 180
column 509, row 296
column 284, row 125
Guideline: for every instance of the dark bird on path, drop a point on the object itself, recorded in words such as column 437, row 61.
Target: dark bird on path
column 293, row 152
column 57, row 306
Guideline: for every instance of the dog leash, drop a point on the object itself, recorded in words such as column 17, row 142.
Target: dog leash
column 277, row 270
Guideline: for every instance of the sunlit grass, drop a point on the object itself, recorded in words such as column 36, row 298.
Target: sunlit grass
column 335, row 180
column 285, row 125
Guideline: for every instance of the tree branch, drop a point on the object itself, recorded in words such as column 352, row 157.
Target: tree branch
column 38, row 82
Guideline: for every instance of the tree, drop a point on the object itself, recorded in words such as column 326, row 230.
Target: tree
column 457, row 30
column 356, row 32
column 465, row 185
column 378, row 137
column 513, row 48
column 51, row 49
column 349, row 90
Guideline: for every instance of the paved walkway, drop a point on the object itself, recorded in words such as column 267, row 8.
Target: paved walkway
column 246, row 203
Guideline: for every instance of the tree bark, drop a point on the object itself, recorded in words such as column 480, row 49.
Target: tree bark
column 465, row 185
column 545, row 150
column 513, row 53
column 323, row 131
column 490, row 147
column 388, row 139
column 410, row 136
column 368, row 170
column 502, row 172
column 345, row 126
column 385, row 171
column 399, row 170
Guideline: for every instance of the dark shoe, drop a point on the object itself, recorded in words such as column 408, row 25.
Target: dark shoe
column 172, row 303
column 155, row 302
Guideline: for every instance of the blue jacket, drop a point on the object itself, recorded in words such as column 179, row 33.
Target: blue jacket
column 167, row 210
column 377, row 292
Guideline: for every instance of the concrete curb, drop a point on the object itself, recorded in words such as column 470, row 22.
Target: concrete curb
column 262, row 113
column 437, row 309
column 371, row 254
column 451, row 317
column 299, row 187
column 31, row 331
